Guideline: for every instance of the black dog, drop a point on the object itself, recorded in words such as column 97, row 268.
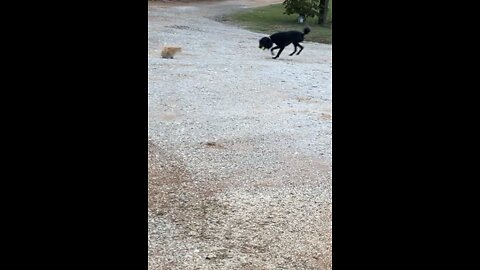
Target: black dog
column 282, row 39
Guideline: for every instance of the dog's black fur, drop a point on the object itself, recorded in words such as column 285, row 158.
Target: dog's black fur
column 283, row 39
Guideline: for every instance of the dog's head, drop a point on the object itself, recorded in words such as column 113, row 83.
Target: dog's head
column 265, row 43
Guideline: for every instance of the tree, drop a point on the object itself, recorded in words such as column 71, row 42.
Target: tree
column 304, row 8
column 308, row 8
column 322, row 11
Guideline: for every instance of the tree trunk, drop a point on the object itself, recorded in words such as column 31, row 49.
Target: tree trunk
column 323, row 12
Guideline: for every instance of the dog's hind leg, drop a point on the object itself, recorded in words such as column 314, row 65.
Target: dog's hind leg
column 294, row 50
column 301, row 48
column 279, row 52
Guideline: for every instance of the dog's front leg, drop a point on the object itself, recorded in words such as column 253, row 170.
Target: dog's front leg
column 279, row 52
column 274, row 48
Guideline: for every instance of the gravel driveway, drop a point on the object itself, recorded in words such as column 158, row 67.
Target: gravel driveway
column 240, row 146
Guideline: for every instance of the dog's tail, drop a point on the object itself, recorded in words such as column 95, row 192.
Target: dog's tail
column 306, row 30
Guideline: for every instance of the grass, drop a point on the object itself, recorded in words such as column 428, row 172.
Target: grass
column 270, row 19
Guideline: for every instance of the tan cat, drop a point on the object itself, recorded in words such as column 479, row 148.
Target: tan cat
column 169, row 52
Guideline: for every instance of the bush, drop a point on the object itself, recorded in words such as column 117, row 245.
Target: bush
column 304, row 8
column 308, row 8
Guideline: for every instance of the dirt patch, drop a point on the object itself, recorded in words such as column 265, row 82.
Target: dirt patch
column 214, row 145
column 183, row 27
column 171, row 188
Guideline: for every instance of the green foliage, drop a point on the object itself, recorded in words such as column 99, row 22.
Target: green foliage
column 305, row 8
column 270, row 19
column 309, row 8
